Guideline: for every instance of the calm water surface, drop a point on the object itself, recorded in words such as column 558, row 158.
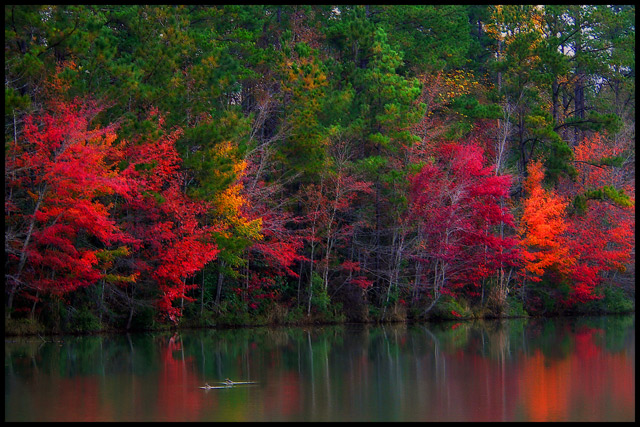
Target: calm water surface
column 572, row 369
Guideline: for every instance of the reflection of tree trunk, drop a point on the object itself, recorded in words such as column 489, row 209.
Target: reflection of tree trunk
column 203, row 355
column 436, row 351
column 311, row 375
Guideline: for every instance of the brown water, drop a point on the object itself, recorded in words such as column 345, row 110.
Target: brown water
column 574, row 369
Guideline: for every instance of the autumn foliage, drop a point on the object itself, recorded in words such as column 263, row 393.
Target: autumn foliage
column 576, row 246
column 171, row 243
column 311, row 163
column 456, row 205
column 60, row 179
column 543, row 227
column 71, row 200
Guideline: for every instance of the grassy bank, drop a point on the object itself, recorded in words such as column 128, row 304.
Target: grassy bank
column 84, row 321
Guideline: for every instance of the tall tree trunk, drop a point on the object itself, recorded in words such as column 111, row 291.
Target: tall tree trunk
column 202, row 295
column 310, row 278
column 416, row 282
column 555, row 101
column 220, row 281
column 131, row 308
column 23, row 254
column 523, row 154
column 313, row 233
column 102, row 285
column 578, row 89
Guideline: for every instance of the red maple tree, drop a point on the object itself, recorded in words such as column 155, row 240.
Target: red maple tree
column 455, row 202
column 60, row 175
column 173, row 239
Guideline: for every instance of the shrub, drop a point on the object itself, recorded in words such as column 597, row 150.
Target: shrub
column 84, row 320
column 320, row 299
column 515, row 308
column 26, row 326
column 616, row 301
column 448, row 308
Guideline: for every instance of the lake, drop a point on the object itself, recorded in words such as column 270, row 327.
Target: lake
column 561, row 369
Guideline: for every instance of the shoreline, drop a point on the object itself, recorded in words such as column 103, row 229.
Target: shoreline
column 310, row 322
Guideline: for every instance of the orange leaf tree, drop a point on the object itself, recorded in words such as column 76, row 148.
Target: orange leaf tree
column 542, row 229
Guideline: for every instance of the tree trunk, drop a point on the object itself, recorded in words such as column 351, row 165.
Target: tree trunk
column 101, row 301
column 220, row 282
column 130, row 312
column 310, row 279
column 202, row 295
column 555, row 101
column 23, row 255
column 395, row 265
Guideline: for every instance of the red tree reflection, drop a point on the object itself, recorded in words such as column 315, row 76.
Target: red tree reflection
column 179, row 398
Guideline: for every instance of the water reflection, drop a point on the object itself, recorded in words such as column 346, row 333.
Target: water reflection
column 579, row 369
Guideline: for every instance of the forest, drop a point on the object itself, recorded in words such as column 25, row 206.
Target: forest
column 201, row 166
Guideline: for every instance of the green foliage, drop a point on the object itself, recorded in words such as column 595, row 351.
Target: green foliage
column 83, row 320
column 430, row 37
column 14, row 101
column 515, row 308
column 449, row 308
column 558, row 156
column 473, row 110
column 232, row 312
column 605, row 192
column 617, row 301
column 545, row 297
column 613, row 300
column 615, row 161
column 320, row 299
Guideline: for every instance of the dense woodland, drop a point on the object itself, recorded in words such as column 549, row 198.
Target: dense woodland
column 234, row 165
